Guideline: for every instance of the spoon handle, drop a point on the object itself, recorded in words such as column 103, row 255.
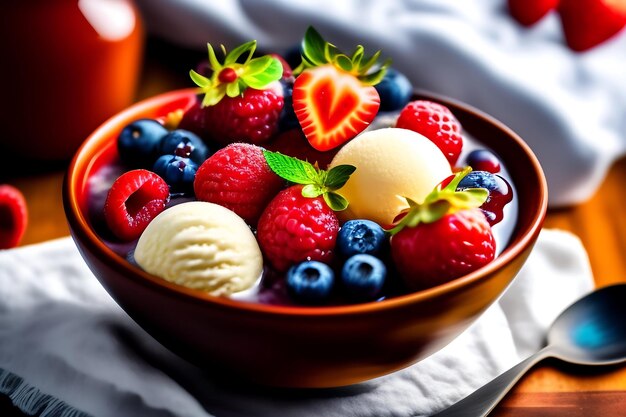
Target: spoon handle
column 482, row 401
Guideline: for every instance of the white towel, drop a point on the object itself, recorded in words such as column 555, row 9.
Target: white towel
column 72, row 346
column 569, row 107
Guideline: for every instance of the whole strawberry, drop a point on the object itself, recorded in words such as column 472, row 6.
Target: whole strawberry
column 242, row 101
column 437, row 123
column 300, row 223
column 443, row 238
column 238, row 178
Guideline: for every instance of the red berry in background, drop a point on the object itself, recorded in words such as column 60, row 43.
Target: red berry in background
column 437, row 123
column 529, row 12
column 135, row 198
column 587, row 23
column 294, row 228
column 434, row 253
column 13, row 216
column 238, row 178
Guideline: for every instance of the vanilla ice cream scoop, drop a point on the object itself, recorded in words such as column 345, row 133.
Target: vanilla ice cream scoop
column 202, row 246
column 390, row 164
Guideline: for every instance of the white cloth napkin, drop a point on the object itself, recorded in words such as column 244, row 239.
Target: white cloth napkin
column 63, row 334
column 569, row 107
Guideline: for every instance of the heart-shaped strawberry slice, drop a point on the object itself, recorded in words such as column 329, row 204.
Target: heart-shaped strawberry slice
column 13, row 216
column 332, row 106
column 587, row 23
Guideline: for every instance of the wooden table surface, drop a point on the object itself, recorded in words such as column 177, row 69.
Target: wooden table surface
column 548, row 390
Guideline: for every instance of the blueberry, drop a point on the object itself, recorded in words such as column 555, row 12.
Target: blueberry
column 178, row 172
column 310, row 282
column 288, row 119
column 360, row 236
column 293, row 55
column 137, row 143
column 483, row 160
column 185, row 144
column 363, row 276
column 500, row 193
column 395, row 90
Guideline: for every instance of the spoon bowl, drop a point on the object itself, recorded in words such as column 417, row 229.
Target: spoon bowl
column 591, row 331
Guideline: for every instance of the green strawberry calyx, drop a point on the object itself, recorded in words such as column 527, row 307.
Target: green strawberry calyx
column 442, row 201
column 317, row 182
column 317, row 52
column 232, row 77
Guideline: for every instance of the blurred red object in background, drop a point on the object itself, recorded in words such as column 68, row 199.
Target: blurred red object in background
column 67, row 66
column 13, row 216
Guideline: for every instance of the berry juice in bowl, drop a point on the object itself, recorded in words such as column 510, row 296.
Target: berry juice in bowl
column 311, row 206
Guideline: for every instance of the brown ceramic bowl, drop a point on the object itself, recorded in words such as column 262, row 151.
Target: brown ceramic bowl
column 304, row 346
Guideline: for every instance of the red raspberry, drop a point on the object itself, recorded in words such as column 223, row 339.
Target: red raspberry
column 251, row 117
column 238, row 178
column 13, row 216
column 294, row 228
column 430, row 254
column 437, row 123
column 135, row 198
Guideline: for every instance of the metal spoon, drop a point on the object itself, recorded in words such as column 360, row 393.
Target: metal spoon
column 592, row 331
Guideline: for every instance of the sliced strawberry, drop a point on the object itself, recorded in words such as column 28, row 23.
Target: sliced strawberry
column 135, row 198
column 332, row 106
column 529, row 12
column 13, row 216
column 587, row 23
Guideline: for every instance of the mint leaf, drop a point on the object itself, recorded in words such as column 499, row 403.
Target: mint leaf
column 292, row 169
column 312, row 191
column 338, row 176
column 335, row 201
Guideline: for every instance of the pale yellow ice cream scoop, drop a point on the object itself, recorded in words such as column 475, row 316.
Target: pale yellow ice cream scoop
column 202, row 246
column 391, row 164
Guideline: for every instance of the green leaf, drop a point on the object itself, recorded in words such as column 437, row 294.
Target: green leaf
column 435, row 211
column 343, row 62
column 313, row 46
column 200, row 80
column 258, row 65
column 213, row 61
column 369, row 62
column 213, row 96
column 335, row 201
column 357, row 56
column 292, row 169
column 233, row 90
column 260, row 80
column 338, row 176
column 373, row 78
column 234, row 55
column 312, row 191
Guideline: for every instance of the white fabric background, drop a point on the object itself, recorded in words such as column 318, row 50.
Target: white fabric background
column 62, row 333
column 570, row 107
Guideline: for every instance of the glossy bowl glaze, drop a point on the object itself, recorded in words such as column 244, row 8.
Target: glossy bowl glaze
column 288, row 346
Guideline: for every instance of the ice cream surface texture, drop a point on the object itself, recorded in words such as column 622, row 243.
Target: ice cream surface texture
column 391, row 164
column 202, row 246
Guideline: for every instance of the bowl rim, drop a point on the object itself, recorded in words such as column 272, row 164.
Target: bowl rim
column 81, row 231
